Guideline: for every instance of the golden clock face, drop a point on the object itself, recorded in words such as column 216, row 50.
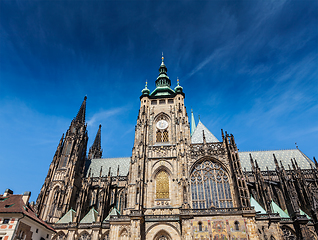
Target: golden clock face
column 162, row 124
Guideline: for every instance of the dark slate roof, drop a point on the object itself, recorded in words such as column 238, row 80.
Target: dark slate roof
column 197, row 136
column 14, row 204
column 266, row 159
column 106, row 163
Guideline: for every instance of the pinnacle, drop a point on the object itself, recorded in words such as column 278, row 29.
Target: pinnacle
column 97, row 141
column 80, row 117
column 95, row 151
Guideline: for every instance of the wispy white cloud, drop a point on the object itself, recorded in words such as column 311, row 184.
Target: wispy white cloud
column 104, row 114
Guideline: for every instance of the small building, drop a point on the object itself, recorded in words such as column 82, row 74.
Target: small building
column 18, row 219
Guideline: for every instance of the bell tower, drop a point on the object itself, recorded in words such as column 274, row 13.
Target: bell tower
column 158, row 162
column 63, row 181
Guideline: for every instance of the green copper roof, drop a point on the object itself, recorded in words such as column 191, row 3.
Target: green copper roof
column 192, row 123
column 90, row 217
column 68, row 217
column 301, row 212
column 114, row 212
column 277, row 209
column 258, row 208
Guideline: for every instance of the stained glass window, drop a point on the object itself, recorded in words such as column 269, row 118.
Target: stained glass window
column 210, row 186
column 162, row 185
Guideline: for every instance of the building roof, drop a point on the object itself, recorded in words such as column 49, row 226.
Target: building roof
column 197, row 136
column 265, row 159
column 94, row 166
column 13, row 203
column 258, row 208
column 68, row 217
column 277, row 209
column 113, row 212
column 90, row 217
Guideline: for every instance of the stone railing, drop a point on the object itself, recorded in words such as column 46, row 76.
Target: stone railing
column 162, row 151
column 214, row 211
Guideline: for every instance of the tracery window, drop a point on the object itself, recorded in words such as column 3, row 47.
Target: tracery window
column 288, row 234
column 84, row 236
column 210, row 186
column 162, row 136
column 162, row 185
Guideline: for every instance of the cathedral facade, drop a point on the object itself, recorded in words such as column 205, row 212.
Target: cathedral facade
column 180, row 182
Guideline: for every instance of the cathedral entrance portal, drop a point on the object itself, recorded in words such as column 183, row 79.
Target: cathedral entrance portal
column 163, row 232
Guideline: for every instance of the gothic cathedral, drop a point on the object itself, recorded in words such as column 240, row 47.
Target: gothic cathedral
column 180, row 182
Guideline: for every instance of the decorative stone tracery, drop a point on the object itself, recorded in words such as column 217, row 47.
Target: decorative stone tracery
column 210, row 186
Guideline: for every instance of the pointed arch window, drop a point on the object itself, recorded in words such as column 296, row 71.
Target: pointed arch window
column 162, row 134
column 162, row 185
column 210, row 186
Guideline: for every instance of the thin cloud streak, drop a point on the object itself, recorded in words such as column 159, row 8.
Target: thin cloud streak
column 103, row 115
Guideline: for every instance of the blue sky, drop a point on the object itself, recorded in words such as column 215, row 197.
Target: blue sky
column 249, row 67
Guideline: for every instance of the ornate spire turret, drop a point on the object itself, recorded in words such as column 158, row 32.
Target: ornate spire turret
column 178, row 88
column 95, row 151
column 145, row 91
column 163, row 79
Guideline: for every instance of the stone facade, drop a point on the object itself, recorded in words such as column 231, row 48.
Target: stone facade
column 180, row 183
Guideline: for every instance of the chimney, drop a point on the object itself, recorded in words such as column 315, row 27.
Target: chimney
column 26, row 197
column 7, row 192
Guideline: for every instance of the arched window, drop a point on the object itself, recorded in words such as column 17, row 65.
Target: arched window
column 237, row 226
column 162, row 125
column 162, row 136
column 210, row 186
column 162, row 235
column 158, row 136
column 165, row 136
column 162, row 185
column 200, row 226
column 84, row 236
column 124, row 234
column 288, row 234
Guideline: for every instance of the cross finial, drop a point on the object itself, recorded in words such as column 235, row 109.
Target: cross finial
column 162, row 57
column 178, row 81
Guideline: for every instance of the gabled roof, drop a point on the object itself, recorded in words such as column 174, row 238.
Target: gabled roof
column 197, row 136
column 265, row 159
column 95, row 165
column 114, row 212
column 301, row 212
column 257, row 206
column 90, row 217
column 68, row 217
column 14, row 204
column 277, row 209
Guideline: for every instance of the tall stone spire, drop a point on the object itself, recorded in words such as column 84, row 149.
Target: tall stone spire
column 80, row 117
column 192, row 123
column 96, row 151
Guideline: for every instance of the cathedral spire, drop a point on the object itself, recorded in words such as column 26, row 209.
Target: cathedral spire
column 80, row 117
column 95, row 151
column 192, row 123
